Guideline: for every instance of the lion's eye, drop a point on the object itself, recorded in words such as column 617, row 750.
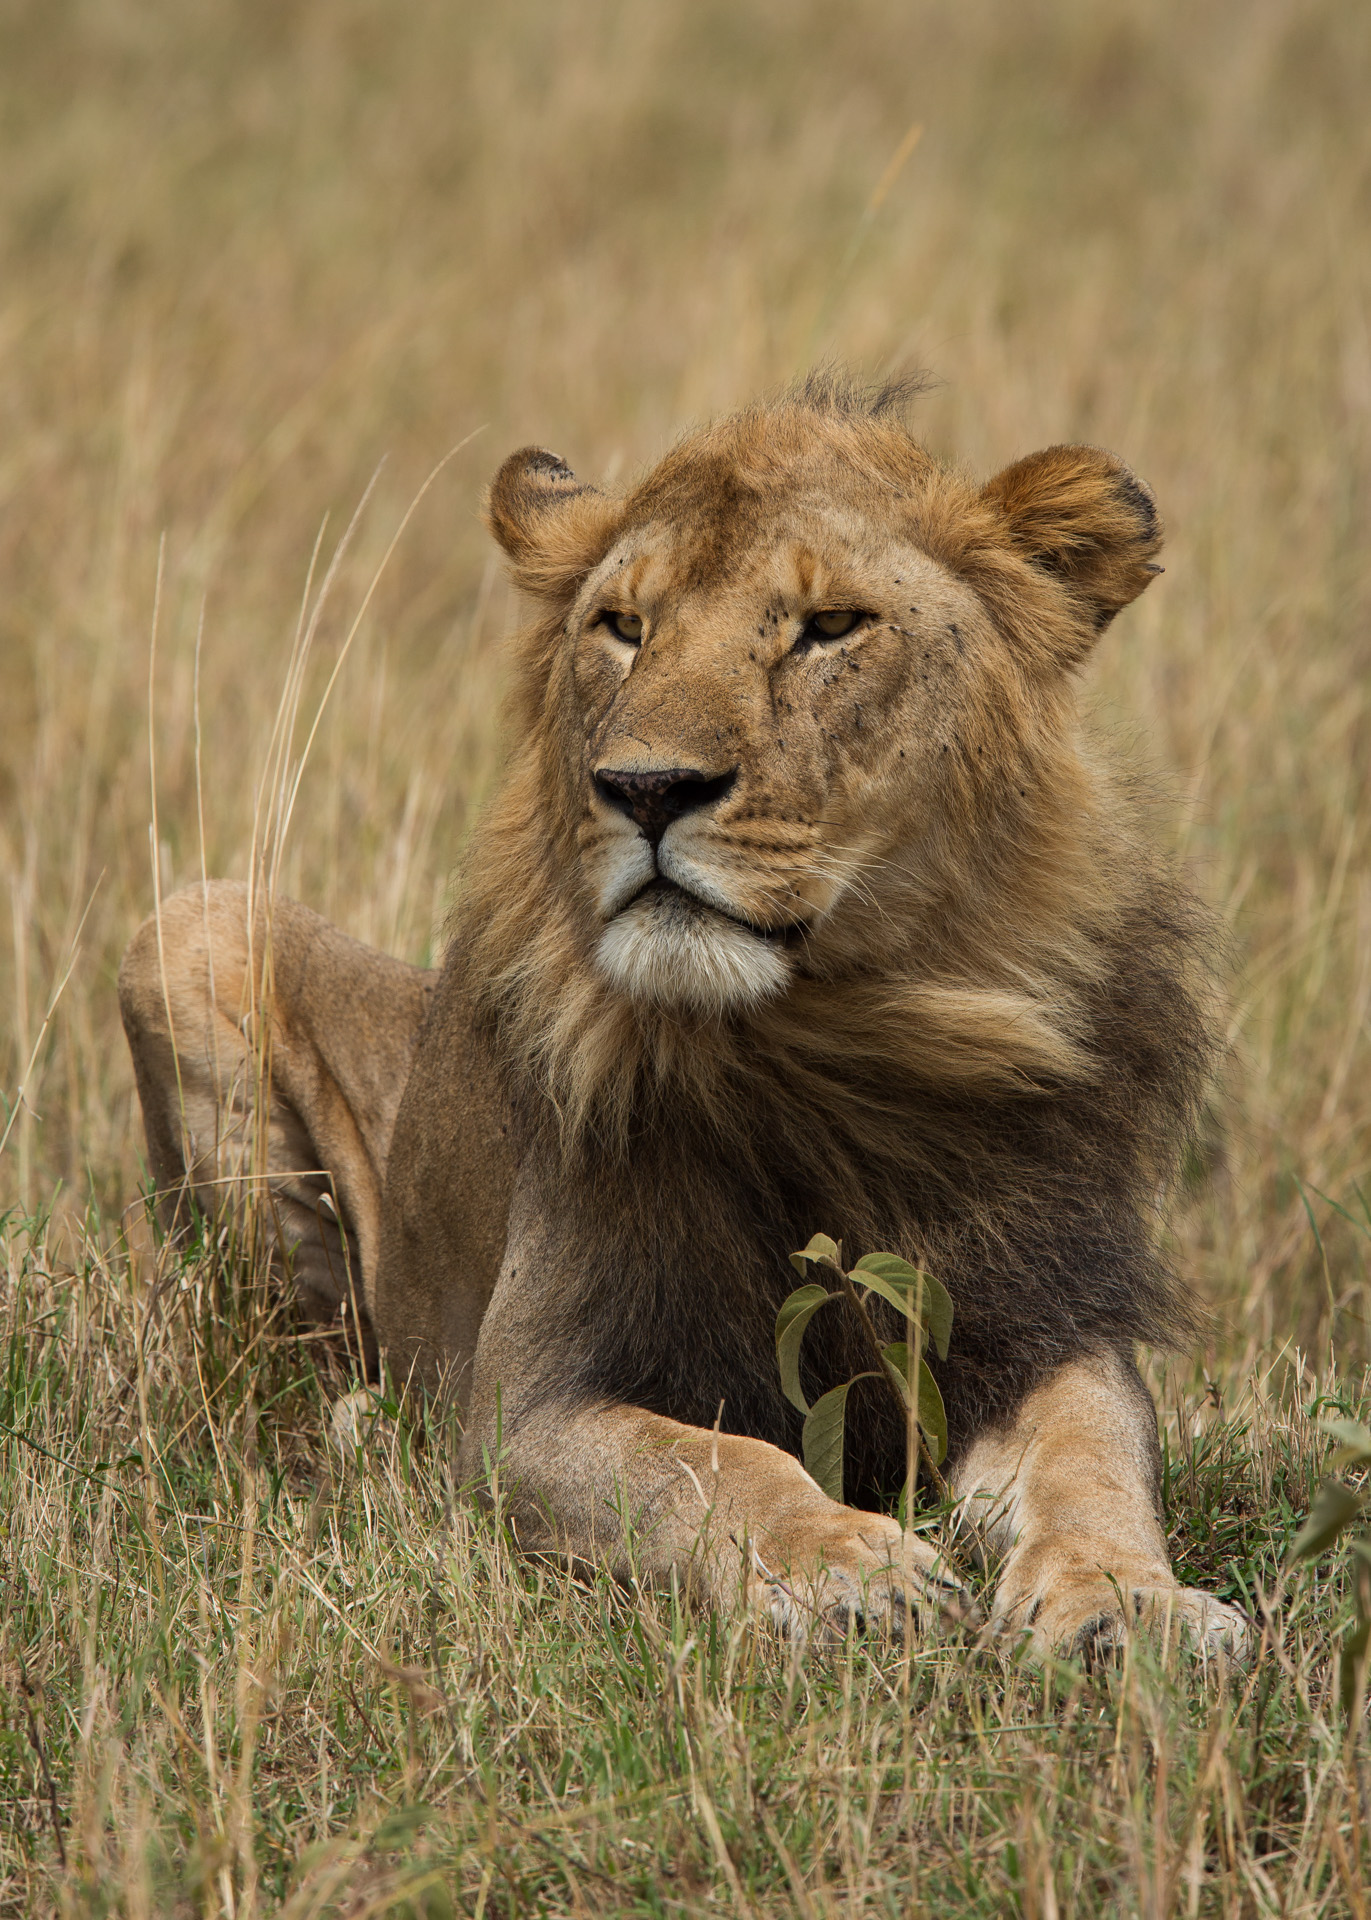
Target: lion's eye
column 627, row 626
column 831, row 624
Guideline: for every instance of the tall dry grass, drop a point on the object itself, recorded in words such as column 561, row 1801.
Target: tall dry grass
column 253, row 256
column 251, row 253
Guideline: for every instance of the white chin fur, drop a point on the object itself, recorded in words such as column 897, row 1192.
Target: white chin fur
column 676, row 953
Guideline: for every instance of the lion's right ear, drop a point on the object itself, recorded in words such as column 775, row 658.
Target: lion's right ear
column 553, row 528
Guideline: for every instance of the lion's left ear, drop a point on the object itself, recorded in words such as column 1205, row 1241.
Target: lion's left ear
column 552, row 526
column 1080, row 515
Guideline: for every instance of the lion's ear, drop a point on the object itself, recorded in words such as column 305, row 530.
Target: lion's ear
column 553, row 528
column 1080, row 515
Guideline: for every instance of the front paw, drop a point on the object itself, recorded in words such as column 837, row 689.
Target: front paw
column 875, row 1577
column 358, row 1420
column 1084, row 1613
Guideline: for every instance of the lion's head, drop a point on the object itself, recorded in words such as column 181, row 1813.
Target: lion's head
column 797, row 707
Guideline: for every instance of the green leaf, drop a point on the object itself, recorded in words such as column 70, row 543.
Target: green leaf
column 797, row 1310
column 902, row 1508
column 1353, row 1656
column 820, row 1248
column 1354, row 1447
column 899, row 1283
column 931, row 1415
column 823, row 1439
column 1335, row 1507
column 896, row 1357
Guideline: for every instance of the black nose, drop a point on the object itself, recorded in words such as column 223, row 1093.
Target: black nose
column 657, row 798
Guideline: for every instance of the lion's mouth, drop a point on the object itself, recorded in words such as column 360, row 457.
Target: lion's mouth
column 671, row 894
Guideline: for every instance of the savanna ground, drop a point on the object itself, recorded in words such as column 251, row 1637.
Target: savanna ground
column 249, row 252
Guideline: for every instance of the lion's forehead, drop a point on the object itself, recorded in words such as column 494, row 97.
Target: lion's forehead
column 806, row 550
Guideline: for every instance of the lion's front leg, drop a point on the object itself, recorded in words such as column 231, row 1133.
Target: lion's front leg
column 650, row 1497
column 731, row 1517
column 1069, row 1492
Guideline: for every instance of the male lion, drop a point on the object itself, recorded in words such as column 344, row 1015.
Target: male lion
column 802, row 906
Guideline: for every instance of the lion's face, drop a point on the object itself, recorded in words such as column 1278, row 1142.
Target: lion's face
column 775, row 703
column 760, row 743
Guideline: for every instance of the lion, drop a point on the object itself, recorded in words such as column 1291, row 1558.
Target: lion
column 804, row 904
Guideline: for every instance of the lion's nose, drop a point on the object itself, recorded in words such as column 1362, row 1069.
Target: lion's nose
column 657, row 798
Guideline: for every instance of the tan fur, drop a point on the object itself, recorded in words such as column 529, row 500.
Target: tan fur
column 901, row 959
column 1065, row 1496
column 221, row 999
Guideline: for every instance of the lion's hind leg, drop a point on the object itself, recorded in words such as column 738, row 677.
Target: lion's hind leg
column 270, row 1056
column 1068, row 1492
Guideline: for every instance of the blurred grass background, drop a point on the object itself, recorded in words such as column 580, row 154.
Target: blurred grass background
column 251, row 251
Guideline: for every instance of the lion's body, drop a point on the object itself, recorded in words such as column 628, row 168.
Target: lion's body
column 1033, row 1208
column 767, row 933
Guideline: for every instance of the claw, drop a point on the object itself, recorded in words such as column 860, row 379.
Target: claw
column 1092, row 1631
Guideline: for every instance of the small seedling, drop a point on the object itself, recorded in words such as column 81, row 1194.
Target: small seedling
column 900, row 1364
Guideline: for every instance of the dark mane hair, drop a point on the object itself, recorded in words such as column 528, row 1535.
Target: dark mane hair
column 834, row 389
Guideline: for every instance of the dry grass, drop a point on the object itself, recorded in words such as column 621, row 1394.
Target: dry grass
column 249, row 253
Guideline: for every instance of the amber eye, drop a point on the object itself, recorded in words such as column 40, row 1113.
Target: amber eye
column 831, row 624
column 627, row 626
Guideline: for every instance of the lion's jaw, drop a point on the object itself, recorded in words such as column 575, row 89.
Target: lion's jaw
column 674, row 936
column 670, row 949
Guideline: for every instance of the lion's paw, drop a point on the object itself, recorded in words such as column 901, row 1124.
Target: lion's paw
column 354, row 1420
column 888, row 1583
column 1089, row 1615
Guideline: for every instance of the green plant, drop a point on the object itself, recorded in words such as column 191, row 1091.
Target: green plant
column 1335, row 1507
column 247, row 249
column 900, row 1364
